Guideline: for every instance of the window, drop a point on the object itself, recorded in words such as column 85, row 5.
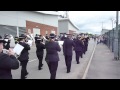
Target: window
column 53, row 32
column 29, row 30
column 46, row 32
column 36, row 31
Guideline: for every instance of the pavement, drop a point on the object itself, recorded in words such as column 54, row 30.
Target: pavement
column 77, row 70
column 103, row 65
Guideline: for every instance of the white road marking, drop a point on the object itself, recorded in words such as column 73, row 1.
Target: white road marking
column 33, row 60
column 86, row 70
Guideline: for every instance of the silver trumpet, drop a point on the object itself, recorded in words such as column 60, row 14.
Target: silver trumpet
column 5, row 51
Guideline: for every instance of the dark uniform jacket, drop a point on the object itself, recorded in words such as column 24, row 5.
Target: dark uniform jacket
column 87, row 39
column 52, row 49
column 6, row 64
column 85, row 42
column 68, row 47
column 40, row 48
column 78, row 45
column 24, row 54
column 36, row 39
column 63, row 38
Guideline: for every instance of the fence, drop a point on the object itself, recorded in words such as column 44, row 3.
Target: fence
column 113, row 42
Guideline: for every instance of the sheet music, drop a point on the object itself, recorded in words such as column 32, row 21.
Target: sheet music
column 60, row 43
column 30, row 42
column 18, row 49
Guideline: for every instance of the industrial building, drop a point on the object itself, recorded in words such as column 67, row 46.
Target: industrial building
column 35, row 22
column 66, row 26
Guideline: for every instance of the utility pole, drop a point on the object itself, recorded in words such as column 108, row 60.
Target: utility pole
column 102, row 25
column 116, row 52
column 112, row 22
column 17, row 25
column 112, row 34
column 117, row 18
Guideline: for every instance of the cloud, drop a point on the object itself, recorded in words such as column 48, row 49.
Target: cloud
column 91, row 21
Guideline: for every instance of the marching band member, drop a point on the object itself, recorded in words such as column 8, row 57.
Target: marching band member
column 8, row 62
column 40, row 52
column 24, row 57
column 67, row 50
column 36, row 37
column 52, row 57
column 7, row 41
column 78, row 48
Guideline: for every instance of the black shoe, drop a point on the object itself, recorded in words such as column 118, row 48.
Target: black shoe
column 23, row 77
column 78, row 62
column 68, row 71
column 39, row 68
column 26, row 74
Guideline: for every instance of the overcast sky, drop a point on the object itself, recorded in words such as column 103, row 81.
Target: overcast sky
column 91, row 21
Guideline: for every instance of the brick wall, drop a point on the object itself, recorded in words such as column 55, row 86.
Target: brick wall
column 43, row 28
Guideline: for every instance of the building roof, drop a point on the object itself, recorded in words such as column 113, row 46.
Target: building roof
column 48, row 12
column 105, row 30
column 62, row 19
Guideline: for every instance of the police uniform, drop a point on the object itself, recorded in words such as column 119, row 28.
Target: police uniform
column 52, row 57
column 6, row 64
column 78, row 49
column 23, row 58
column 67, row 50
column 39, row 52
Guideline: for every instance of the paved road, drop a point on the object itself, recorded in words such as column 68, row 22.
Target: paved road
column 76, row 71
column 103, row 65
